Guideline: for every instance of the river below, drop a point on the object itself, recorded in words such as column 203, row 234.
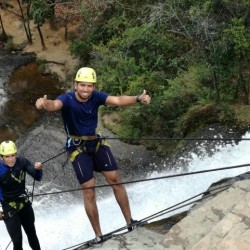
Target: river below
column 21, row 83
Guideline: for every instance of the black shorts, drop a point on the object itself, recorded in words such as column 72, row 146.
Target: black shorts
column 86, row 163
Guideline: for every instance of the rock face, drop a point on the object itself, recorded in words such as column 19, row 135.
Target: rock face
column 217, row 223
column 222, row 222
column 9, row 62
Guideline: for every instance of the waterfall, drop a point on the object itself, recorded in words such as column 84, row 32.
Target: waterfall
column 61, row 221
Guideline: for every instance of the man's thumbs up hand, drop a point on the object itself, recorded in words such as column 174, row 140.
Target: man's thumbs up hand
column 144, row 98
column 41, row 102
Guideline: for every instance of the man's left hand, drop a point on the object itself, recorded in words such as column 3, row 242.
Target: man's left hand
column 144, row 98
column 38, row 166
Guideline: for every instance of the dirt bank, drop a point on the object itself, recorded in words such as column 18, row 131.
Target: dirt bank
column 57, row 49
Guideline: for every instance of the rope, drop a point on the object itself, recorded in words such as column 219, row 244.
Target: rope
column 143, row 180
column 175, row 139
column 54, row 156
column 8, row 245
column 160, row 213
column 162, row 138
column 34, row 181
column 157, row 178
column 172, row 208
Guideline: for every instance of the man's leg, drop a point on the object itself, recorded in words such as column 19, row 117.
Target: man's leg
column 83, row 166
column 106, row 164
column 13, row 225
column 113, row 177
column 28, row 222
column 91, row 206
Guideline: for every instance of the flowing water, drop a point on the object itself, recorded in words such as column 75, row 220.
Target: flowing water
column 61, row 221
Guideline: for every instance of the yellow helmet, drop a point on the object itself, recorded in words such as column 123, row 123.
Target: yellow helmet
column 7, row 148
column 86, row 74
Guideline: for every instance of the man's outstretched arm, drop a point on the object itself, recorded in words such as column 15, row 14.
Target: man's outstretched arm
column 49, row 105
column 128, row 100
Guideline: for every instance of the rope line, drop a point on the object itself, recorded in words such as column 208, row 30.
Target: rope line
column 53, row 157
column 162, row 212
column 34, row 181
column 8, row 245
column 150, row 179
column 143, row 180
column 174, row 139
column 173, row 208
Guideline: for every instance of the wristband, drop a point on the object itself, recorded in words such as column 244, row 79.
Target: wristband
column 137, row 98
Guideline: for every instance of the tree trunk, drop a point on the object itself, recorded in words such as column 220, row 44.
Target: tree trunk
column 216, row 88
column 4, row 35
column 65, row 31
column 41, row 37
column 28, row 22
column 25, row 23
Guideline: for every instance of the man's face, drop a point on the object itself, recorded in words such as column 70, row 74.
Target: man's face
column 84, row 90
column 9, row 160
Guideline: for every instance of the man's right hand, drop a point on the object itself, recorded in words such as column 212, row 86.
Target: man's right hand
column 40, row 103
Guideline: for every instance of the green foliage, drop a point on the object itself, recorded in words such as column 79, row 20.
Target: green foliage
column 81, row 48
column 41, row 65
column 197, row 117
column 10, row 44
column 238, row 35
column 40, row 11
column 113, row 27
column 133, row 62
column 191, row 87
column 191, row 56
column 136, row 119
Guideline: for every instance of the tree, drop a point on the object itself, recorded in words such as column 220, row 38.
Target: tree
column 40, row 12
column 24, row 15
column 68, row 12
column 3, row 35
column 204, row 23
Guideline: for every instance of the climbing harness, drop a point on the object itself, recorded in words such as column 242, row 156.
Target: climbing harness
column 18, row 205
column 82, row 140
column 14, row 206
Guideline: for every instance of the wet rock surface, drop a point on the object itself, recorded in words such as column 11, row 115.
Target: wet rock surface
column 218, row 222
column 9, row 61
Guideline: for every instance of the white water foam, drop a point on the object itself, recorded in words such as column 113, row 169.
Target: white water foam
column 3, row 98
column 61, row 221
